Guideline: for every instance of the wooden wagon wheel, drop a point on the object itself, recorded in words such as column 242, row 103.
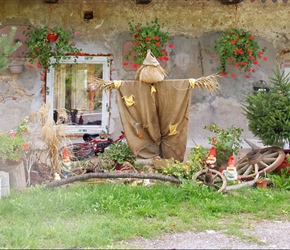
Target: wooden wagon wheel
column 211, row 178
column 259, row 161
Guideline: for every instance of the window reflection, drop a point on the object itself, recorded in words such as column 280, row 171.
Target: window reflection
column 76, row 99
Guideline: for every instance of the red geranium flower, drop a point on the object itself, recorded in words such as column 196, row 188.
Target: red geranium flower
column 157, row 44
column 214, row 140
column 138, row 28
column 256, row 62
column 233, row 41
column 265, row 58
column 25, row 146
column 136, row 43
column 125, row 63
column 165, row 52
column 251, row 38
column 223, row 74
column 250, row 51
column 247, row 76
column 160, row 58
column 251, row 58
column 156, row 38
column 233, row 75
column 171, row 46
column 230, row 59
column 260, row 52
column 147, row 38
column 135, row 65
column 165, row 58
column 236, row 64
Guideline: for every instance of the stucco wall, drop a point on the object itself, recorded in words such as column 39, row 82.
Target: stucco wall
column 193, row 25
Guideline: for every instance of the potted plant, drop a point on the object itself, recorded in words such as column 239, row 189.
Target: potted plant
column 7, row 47
column 268, row 113
column 239, row 48
column 13, row 144
column 47, row 43
column 116, row 155
column 149, row 36
column 262, row 181
column 226, row 141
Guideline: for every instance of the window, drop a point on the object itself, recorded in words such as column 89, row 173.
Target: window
column 74, row 96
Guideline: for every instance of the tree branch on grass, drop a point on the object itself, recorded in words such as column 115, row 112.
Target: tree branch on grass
column 113, row 176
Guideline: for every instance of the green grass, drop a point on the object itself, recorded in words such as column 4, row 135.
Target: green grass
column 99, row 215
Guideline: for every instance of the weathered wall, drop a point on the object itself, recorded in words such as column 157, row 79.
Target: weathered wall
column 194, row 26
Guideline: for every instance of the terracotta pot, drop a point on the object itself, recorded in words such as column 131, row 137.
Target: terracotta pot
column 51, row 37
column 261, row 183
column 16, row 68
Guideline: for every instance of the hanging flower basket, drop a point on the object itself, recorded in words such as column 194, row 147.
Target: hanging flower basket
column 147, row 37
column 238, row 48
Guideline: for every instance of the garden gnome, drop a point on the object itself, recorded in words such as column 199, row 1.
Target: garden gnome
column 211, row 158
column 66, row 162
column 231, row 172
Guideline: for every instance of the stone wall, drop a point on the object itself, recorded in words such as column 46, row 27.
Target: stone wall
column 193, row 25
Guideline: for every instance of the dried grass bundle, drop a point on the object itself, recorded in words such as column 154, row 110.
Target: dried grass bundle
column 101, row 84
column 208, row 83
column 150, row 71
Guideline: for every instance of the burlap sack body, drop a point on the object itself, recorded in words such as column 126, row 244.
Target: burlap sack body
column 151, row 116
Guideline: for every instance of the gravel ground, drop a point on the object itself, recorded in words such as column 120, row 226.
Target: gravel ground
column 265, row 235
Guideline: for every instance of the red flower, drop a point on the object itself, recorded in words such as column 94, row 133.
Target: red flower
column 214, row 140
column 253, row 70
column 233, row 41
column 25, row 146
column 165, row 58
column 250, row 51
column 136, row 36
column 236, row 64
column 212, row 56
column 256, row 62
column 265, row 58
column 251, row 58
column 13, row 134
column 157, row 44
column 251, row 38
column 136, row 43
column 125, row 63
column 233, row 75
column 160, row 58
column 165, row 52
column 135, row 65
column 138, row 28
column 30, row 66
column 247, row 76
column 249, row 70
column 223, row 74
column 147, row 38
column 230, row 59
column 156, row 38
column 260, row 52
column 171, row 46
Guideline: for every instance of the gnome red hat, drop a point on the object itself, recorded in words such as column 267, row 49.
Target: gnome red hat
column 231, row 161
column 212, row 151
column 65, row 153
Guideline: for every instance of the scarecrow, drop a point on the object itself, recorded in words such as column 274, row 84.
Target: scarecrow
column 155, row 112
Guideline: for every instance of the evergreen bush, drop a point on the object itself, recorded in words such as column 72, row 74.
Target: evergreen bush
column 268, row 113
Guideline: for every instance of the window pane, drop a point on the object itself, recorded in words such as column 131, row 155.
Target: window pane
column 76, row 99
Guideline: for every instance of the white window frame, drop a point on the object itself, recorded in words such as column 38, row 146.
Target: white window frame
column 81, row 129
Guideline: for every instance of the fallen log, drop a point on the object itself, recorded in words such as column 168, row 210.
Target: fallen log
column 111, row 175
